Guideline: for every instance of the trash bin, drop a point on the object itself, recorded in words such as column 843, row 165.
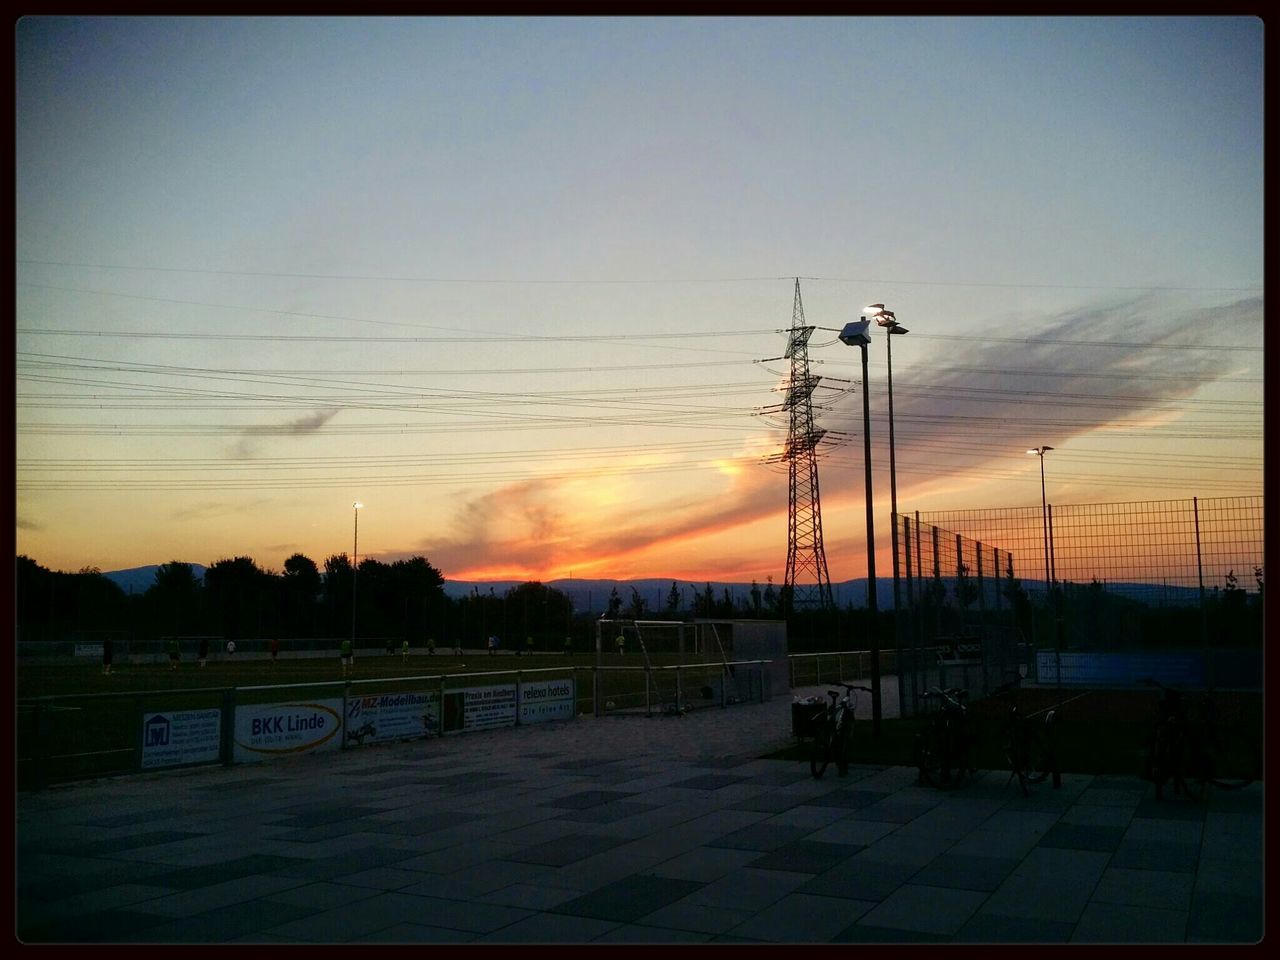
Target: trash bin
column 805, row 714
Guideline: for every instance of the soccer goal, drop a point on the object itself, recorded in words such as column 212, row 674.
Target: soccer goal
column 667, row 666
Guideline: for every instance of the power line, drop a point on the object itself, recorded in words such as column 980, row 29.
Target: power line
column 634, row 280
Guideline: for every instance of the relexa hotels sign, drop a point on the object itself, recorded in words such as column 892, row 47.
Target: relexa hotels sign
column 270, row 730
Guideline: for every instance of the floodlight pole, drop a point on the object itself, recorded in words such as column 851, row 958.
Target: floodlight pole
column 872, row 607
column 1044, row 513
column 1053, row 600
column 889, row 320
column 856, row 334
column 355, row 568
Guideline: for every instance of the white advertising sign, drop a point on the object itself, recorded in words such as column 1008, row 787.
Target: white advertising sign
column 543, row 700
column 180, row 737
column 391, row 716
column 263, row 731
column 486, row 707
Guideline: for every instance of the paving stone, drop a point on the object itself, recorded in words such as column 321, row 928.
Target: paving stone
column 564, row 850
column 1082, row 836
column 965, row 872
column 985, row 927
column 1225, row 918
column 801, row 918
column 630, row 899
column 1156, row 854
column 805, row 856
column 1125, row 923
column 761, row 836
column 586, row 799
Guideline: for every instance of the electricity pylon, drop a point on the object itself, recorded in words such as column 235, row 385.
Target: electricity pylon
column 807, row 582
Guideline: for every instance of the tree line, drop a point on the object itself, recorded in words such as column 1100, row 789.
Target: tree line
column 405, row 599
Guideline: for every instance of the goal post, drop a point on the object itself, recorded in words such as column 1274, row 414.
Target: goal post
column 656, row 646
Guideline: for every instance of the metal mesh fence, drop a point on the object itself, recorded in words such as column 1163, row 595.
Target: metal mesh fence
column 1160, row 552
column 1118, row 577
column 957, row 623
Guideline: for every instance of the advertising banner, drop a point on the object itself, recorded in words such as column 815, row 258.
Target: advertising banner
column 543, row 700
column 391, row 716
column 263, row 731
column 180, row 737
column 480, row 708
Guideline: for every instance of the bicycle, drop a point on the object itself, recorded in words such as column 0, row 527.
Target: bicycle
column 1028, row 746
column 942, row 749
column 833, row 731
column 1188, row 745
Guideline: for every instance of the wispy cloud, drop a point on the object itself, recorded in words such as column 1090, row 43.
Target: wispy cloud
column 1127, row 375
column 215, row 509
column 247, row 446
column 532, row 528
column 30, row 525
column 614, row 525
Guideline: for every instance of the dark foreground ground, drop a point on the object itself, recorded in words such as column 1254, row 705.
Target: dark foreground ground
column 662, row 830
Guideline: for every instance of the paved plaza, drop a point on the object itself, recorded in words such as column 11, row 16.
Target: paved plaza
column 627, row 829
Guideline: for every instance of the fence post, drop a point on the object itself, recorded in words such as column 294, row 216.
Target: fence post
column 912, row 641
column 228, row 738
column 1204, row 610
column 518, row 691
column 38, row 771
column 982, row 617
column 440, row 712
column 138, row 728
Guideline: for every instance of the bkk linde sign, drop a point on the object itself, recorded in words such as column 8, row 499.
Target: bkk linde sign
column 264, row 731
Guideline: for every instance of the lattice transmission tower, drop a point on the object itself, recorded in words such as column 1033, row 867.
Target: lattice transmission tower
column 807, row 582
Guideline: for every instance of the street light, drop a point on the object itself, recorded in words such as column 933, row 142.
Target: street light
column 888, row 320
column 856, row 334
column 355, row 568
column 1049, row 578
column 1044, row 512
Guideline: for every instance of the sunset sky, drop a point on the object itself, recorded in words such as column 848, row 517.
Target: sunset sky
column 515, row 285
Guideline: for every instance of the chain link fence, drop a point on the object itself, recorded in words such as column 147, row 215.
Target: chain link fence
column 1137, row 576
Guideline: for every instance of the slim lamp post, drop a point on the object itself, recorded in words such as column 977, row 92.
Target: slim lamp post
column 855, row 334
column 1048, row 576
column 1044, row 511
column 888, row 320
column 355, row 567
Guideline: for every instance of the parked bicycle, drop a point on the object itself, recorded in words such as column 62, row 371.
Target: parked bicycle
column 1190, row 747
column 943, row 748
column 1028, row 741
column 833, row 731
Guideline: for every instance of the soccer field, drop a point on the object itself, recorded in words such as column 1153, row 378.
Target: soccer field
column 76, row 679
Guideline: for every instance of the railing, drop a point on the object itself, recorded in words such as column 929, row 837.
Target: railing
column 711, row 681
column 812, row 669
column 77, row 736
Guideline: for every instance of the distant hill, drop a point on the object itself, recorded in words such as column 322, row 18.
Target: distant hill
column 593, row 595
column 140, row 579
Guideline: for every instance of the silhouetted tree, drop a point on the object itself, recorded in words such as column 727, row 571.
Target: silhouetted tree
column 301, row 585
column 636, row 610
column 240, row 598
column 673, row 599
column 175, row 598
